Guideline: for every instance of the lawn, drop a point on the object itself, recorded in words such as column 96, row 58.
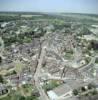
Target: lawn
column 26, row 90
column 18, row 66
column 51, row 85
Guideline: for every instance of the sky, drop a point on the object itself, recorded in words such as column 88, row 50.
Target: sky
column 74, row 6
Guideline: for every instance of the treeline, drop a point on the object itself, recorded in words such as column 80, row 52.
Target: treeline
column 7, row 18
column 4, row 18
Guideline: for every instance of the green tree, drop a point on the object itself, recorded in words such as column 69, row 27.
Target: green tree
column 83, row 89
column 0, row 59
column 94, row 92
column 75, row 92
column 1, row 79
column 90, row 86
column 22, row 98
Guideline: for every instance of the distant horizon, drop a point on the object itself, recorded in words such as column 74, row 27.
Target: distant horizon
column 50, row 6
column 46, row 12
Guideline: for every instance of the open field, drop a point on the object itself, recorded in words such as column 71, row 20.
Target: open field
column 27, row 16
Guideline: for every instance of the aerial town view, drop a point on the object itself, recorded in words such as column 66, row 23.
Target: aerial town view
column 48, row 49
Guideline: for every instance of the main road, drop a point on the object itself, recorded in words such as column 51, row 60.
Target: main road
column 38, row 73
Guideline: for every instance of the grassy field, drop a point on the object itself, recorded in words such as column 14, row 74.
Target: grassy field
column 26, row 90
column 31, row 16
column 18, row 66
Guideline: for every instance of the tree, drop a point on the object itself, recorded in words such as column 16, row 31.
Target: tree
column 94, row 92
column 75, row 92
column 90, row 86
column 0, row 44
column 31, row 98
column 83, row 89
column 0, row 59
column 21, row 98
column 1, row 79
column 14, row 72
